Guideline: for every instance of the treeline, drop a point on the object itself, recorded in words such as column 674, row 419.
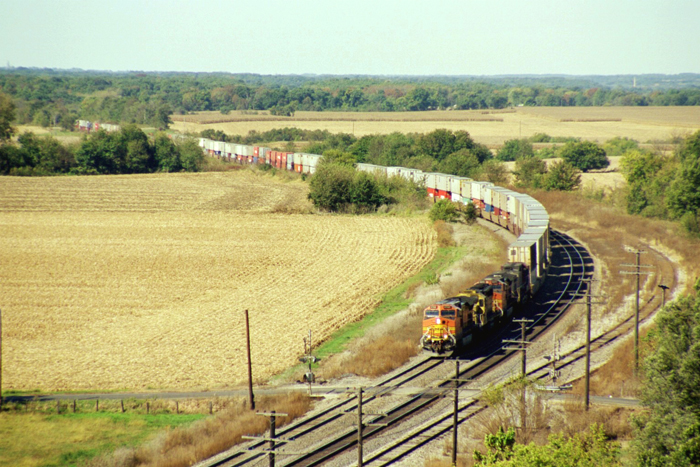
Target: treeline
column 662, row 185
column 125, row 152
column 49, row 97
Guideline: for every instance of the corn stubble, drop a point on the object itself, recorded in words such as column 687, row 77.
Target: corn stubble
column 141, row 281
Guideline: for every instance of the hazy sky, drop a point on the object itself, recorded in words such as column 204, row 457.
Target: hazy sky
column 484, row 37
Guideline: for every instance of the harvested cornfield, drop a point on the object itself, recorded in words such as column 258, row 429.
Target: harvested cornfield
column 141, row 281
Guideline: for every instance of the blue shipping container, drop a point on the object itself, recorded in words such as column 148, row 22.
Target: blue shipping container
column 489, row 208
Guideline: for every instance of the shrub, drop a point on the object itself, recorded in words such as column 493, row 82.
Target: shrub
column 443, row 210
column 562, row 176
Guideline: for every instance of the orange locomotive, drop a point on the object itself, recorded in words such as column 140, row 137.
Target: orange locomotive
column 453, row 322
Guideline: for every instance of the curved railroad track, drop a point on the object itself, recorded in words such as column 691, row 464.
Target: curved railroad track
column 570, row 264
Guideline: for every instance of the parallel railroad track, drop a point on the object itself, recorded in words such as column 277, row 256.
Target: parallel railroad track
column 560, row 290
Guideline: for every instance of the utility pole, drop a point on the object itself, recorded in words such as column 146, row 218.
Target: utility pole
column 454, row 418
column 1, row 357
column 273, row 441
column 522, row 343
column 588, row 295
column 637, row 272
column 251, row 398
column 360, row 425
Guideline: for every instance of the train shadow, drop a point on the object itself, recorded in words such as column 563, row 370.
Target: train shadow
column 571, row 265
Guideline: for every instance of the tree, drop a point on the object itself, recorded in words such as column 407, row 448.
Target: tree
column 641, row 170
column 514, row 149
column 561, row 176
column 684, row 192
column 167, row 156
column 529, row 172
column 437, row 144
column 584, row 155
column 669, row 435
column 7, row 115
column 364, row 193
column 331, row 186
column 618, row 146
column 191, row 155
column 336, row 156
column 462, row 163
column 494, row 171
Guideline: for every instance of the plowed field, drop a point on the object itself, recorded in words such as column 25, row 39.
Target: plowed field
column 141, row 281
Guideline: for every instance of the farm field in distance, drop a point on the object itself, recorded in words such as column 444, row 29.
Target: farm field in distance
column 140, row 281
column 490, row 127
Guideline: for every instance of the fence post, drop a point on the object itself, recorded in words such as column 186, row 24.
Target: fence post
column 122, row 401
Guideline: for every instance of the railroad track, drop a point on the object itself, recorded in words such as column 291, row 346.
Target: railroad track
column 608, row 337
column 570, row 266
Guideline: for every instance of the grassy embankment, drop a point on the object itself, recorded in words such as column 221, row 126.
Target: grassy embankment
column 162, row 437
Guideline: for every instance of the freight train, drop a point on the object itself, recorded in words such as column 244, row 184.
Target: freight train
column 455, row 321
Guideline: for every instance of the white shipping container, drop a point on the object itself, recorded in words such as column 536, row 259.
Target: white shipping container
column 465, row 188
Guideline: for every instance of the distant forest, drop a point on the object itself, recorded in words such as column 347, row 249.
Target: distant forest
column 59, row 97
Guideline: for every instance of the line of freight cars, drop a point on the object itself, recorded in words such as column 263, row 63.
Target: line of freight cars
column 451, row 322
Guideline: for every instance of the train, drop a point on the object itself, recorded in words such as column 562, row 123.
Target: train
column 454, row 321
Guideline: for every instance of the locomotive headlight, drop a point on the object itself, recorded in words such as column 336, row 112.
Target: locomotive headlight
column 437, row 320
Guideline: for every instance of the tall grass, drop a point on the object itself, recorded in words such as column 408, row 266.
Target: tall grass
column 184, row 446
column 610, row 234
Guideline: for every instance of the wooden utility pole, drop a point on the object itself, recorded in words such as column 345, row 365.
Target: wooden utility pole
column 251, row 398
column 0, row 358
column 588, row 296
column 454, row 419
column 272, row 440
column 637, row 272
column 522, row 343
column 359, row 427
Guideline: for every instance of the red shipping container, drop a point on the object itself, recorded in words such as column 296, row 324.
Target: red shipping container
column 298, row 168
column 442, row 194
column 432, row 192
column 256, row 151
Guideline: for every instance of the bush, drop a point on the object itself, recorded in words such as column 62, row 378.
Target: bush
column 443, row 210
column 562, row 176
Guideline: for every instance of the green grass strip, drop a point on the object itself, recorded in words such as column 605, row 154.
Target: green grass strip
column 393, row 301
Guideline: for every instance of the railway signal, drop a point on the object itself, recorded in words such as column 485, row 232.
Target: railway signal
column 309, row 376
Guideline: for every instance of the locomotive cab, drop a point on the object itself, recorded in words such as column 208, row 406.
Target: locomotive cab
column 443, row 326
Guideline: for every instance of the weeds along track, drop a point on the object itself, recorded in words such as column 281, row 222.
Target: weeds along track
column 413, row 421
column 321, row 419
